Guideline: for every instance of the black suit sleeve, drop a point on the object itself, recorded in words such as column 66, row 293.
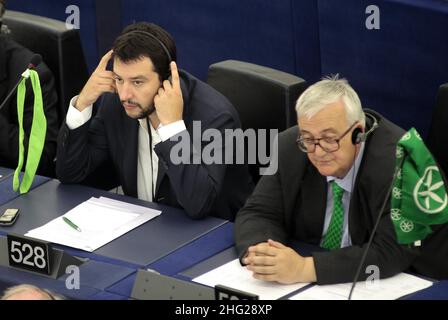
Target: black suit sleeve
column 261, row 218
column 81, row 151
column 9, row 128
column 196, row 185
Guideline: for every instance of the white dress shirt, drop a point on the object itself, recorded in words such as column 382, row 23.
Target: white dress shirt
column 146, row 180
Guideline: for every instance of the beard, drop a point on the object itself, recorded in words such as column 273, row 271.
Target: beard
column 144, row 111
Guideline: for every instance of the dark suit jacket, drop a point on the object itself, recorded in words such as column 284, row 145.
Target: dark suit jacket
column 200, row 189
column 290, row 205
column 14, row 59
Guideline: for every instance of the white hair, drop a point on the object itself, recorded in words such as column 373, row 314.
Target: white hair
column 327, row 91
column 28, row 287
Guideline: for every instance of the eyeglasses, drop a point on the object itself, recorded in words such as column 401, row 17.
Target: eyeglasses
column 308, row 145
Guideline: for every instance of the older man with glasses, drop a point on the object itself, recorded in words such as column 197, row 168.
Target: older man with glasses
column 334, row 170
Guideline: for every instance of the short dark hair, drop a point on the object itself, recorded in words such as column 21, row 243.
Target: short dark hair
column 131, row 46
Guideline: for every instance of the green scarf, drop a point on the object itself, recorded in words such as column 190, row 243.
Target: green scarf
column 37, row 135
column 419, row 198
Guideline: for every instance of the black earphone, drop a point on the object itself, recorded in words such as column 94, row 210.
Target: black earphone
column 165, row 49
column 358, row 136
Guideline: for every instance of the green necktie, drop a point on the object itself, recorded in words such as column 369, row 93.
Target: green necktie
column 333, row 236
column 37, row 134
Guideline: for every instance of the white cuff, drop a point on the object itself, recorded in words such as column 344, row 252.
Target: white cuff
column 170, row 130
column 76, row 118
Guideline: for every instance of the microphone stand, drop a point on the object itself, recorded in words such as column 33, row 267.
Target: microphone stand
column 364, row 256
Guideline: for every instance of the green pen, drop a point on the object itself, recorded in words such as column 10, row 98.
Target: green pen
column 71, row 224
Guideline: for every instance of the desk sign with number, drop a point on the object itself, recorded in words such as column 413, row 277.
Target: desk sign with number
column 29, row 254
column 227, row 293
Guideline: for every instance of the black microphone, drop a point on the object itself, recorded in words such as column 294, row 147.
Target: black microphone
column 378, row 219
column 34, row 62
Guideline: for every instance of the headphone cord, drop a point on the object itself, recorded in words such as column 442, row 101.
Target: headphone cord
column 373, row 127
column 150, row 155
column 354, row 176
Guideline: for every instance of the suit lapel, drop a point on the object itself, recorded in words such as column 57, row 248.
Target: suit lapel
column 160, row 176
column 356, row 217
column 314, row 202
column 130, row 154
column 364, row 206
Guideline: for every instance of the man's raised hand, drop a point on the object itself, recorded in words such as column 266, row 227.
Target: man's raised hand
column 100, row 81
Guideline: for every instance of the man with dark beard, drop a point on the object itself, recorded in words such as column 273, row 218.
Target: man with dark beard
column 147, row 106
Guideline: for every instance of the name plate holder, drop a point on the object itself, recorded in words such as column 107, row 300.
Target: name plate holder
column 150, row 285
column 35, row 256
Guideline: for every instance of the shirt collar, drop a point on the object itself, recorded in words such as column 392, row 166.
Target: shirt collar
column 346, row 183
column 142, row 123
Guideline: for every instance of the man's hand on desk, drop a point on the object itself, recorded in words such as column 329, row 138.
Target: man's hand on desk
column 272, row 261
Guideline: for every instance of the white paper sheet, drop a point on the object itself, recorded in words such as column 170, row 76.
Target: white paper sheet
column 383, row 289
column 233, row 275
column 100, row 220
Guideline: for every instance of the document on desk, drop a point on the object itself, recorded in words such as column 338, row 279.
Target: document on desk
column 94, row 223
column 384, row 289
column 233, row 275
